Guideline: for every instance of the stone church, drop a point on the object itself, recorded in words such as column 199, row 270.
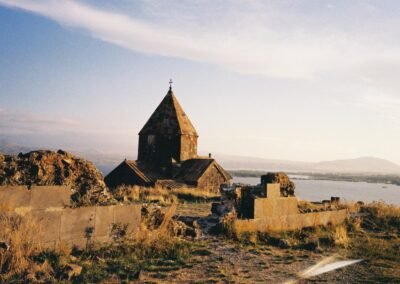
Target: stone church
column 167, row 155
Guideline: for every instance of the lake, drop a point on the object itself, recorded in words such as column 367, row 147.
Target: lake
column 317, row 190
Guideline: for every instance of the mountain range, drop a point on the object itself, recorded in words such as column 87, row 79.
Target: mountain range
column 364, row 165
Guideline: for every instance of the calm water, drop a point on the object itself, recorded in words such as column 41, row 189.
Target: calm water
column 317, row 190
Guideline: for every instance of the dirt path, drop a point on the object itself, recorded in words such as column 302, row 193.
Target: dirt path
column 219, row 260
column 216, row 260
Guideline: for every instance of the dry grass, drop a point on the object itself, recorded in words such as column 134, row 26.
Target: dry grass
column 20, row 234
column 122, row 260
column 157, row 242
column 161, row 195
column 307, row 206
column 200, row 209
column 144, row 250
column 144, row 194
column 341, row 237
column 375, row 234
column 381, row 217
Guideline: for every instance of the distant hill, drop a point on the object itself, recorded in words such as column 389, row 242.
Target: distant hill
column 358, row 165
column 252, row 163
column 12, row 149
column 107, row 161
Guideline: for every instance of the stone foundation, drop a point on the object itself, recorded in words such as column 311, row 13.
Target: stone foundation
column 276, row 213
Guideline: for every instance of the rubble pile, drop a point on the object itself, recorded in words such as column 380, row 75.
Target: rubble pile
column 238, row 198
column 153, row 217
column 55, row 168
column 287, row 186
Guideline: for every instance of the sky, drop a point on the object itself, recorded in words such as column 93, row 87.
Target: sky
column 307, row 80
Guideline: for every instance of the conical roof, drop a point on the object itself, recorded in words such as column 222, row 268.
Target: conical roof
column 168, row 119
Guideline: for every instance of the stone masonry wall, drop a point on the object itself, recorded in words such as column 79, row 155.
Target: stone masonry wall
column 211, row 180
column 276, row 213
column 76, row 226
column 291, row 222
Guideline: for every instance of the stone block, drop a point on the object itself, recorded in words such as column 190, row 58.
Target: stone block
column 13, row 187
column 49, row 224
column 49, row 245
column 103, row 222
column 81, row 243
column 275, row 207
column 102, row 240
column 15, row 196
column 273, row 190
column 291, row 222
column 128, row 214
column 43, row 197
column 77, row 223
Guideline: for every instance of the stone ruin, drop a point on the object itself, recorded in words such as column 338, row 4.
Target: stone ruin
column 56, row 221
column 273, row 207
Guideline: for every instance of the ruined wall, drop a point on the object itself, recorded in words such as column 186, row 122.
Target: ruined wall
column 287, row 186
column 290, row 222
column 22, row 199
column 56, row 223
column 211, row 180
column 265, row 207
column 80, row 226
column 276, row 213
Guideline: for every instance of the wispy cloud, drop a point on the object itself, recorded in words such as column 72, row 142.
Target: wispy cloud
column 35, row 130
column 250, row 43
column 19, row 122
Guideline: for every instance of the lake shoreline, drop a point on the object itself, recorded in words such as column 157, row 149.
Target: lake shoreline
column 317, row 190
column 391, row 179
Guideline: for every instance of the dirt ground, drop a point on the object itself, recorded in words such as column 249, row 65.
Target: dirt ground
column 218, row 260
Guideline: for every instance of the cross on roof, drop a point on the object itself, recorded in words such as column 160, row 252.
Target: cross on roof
column 170, row 84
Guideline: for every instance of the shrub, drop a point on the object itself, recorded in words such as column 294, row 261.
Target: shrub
column 381, row 217
column 19, row 237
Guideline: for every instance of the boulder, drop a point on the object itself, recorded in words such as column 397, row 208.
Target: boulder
column 56, row 168
column 287, row 186
column 218, row 209
column 153, row 216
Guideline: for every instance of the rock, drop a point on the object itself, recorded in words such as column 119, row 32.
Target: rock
column 213, row 219
column 287, row 186
column 56, row 168
column 72, row 270
column 283, row 243
column 181, row 229
column 4, row 245
column 67, row 161
column 311, row 245
column 152, row 216
column 218, row 209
